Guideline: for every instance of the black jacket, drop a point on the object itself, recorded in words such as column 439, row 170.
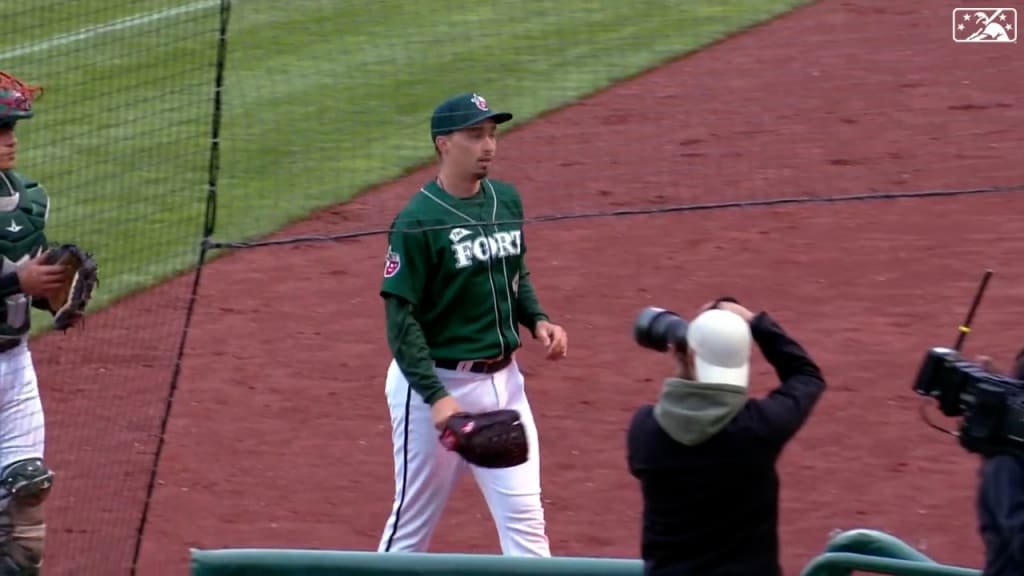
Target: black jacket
column 1001, row 514
column 705, row 457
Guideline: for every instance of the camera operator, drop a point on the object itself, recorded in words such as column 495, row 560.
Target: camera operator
column 705, row 453
column 1000, row 502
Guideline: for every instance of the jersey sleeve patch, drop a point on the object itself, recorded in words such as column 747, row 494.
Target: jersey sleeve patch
column 406, row 263
column 392, row 263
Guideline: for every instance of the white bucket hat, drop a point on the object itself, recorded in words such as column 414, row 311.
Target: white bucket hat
column 721, row 345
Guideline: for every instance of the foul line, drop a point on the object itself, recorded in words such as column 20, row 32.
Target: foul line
column 99, row 30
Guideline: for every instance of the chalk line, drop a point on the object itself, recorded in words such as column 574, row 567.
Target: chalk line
column 99, row 30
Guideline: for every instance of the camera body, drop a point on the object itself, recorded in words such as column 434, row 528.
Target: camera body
column 991, row 405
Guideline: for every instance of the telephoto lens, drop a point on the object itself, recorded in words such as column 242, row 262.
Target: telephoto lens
column 656, row 328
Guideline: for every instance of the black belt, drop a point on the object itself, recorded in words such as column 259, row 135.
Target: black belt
column 9, row 344
column 478, row 366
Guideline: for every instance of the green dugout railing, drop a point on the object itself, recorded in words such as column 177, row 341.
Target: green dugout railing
column 874, row 552
column 862, row 551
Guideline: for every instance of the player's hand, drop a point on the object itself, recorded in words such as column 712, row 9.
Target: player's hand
column 442, row 409
column 553, row 337
column 74, row 319
column 40, row 280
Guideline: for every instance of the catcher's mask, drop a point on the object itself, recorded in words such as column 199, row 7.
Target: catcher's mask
column 16, row 100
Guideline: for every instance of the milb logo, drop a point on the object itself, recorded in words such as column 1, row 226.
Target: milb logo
column 985, row 25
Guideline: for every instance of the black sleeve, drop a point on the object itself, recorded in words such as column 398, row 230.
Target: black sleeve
column 779, row 415
column 1018, row 371
column 409, row 346
column 1003, row 492
column 637, row 440
column 9, row 284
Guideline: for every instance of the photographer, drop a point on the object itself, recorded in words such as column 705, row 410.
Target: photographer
column 705, row 453
column 1000, row 502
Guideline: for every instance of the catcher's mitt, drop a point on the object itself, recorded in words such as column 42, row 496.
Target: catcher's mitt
column 80, row 277
column 494, row 439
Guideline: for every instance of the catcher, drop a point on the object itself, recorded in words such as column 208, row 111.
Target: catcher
column 59, row 280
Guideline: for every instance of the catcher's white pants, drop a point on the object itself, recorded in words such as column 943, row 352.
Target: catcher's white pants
column 425, row 471
column 21, row 411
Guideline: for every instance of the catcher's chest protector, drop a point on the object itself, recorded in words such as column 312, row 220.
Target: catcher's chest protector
column 23, row 214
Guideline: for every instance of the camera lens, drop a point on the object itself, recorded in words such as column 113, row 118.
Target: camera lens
column 656, row 327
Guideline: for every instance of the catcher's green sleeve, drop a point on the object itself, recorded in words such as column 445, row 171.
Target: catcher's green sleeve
column 409, row 346
column 528, row 308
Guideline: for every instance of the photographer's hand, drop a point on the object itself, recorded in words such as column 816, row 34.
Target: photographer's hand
column 682, row 362
column 735, row 308
column 986, row 363
column 706, row 307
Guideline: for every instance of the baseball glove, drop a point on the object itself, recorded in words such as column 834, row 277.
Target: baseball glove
column 494, row 439
column 80, row 277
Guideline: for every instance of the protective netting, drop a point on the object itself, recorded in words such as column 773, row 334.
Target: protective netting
column 121, row 143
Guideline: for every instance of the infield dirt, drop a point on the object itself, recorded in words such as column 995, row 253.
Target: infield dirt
column 279, row 436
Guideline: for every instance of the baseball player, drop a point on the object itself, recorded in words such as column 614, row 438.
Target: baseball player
column 25, row 480
column 455, row 296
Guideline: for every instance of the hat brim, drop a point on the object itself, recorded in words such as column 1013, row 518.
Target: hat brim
column 712, row 374
column 498, row 117
column 16, row 116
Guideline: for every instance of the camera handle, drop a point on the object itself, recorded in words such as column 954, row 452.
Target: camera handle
column 965, row 328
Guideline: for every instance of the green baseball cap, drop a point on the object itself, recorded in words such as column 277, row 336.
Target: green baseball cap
column 463, row 111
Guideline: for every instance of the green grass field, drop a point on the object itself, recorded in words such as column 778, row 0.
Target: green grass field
column 323, row 99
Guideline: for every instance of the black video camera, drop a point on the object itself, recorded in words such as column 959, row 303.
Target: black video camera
column 992, row 405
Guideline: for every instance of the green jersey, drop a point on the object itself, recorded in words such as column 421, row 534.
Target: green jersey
column 466, row 278
column 24, row 207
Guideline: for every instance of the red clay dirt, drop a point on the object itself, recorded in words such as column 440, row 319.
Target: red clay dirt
column 279, row 432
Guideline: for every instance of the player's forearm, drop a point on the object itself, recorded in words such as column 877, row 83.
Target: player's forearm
column 409, row 346
column 528, row 307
